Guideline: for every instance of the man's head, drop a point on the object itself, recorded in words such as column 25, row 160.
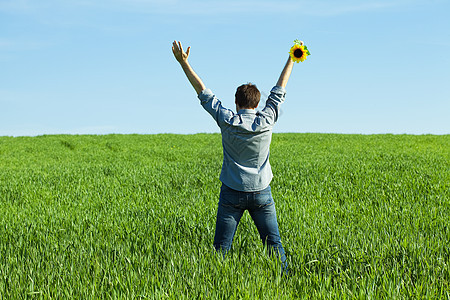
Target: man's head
column 247, row 96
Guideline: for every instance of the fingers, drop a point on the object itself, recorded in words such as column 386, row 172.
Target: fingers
column 175, row 46
column 177, row 49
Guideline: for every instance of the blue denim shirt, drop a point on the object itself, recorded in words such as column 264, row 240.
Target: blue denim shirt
column 246, row 138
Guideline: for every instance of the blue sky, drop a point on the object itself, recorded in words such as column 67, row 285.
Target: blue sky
column 99, row 67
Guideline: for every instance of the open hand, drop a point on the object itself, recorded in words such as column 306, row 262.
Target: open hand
column 178, row 52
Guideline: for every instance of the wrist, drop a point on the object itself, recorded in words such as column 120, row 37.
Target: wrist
column 290, row 62
column 184, row 64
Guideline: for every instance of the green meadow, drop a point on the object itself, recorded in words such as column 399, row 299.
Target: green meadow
column 133, row 217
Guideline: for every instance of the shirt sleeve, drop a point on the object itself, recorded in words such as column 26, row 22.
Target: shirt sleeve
column 214, row 107
column 273, row 103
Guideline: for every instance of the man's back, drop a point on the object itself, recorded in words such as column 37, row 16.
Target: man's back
column 246, row 138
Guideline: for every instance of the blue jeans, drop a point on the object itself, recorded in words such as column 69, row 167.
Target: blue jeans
column 261, row 207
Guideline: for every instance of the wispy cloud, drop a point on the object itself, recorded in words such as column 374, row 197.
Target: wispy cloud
column 302, row 7
column 18, row 44
column 5, row 44
column 12, row 6
column 325, row 8
column 213, row 7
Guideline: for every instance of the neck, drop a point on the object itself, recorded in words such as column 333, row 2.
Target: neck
column 238, row 108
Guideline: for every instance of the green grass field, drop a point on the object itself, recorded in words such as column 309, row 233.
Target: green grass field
column 133, row 216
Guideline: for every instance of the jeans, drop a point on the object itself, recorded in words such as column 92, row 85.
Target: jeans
column 261, row 207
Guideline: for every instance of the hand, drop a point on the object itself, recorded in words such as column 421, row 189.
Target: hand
column 178, row 52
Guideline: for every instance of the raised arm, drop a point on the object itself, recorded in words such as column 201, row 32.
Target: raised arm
column 182, row 58
column 286, row 73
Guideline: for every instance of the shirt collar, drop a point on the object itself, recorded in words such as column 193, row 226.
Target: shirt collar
column 247, row 111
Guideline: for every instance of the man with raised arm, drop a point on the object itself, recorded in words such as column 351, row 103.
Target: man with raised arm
column 246, row 173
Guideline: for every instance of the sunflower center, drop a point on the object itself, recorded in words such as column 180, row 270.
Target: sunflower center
column 298, row 53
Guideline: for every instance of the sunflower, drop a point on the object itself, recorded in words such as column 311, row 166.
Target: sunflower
column 298, row 53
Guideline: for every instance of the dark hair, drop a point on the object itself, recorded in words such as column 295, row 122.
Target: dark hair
column 247, row 96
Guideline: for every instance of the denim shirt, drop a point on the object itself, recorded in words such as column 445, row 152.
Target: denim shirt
column 246, row 138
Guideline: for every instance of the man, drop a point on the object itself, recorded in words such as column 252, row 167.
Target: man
column 246, row 173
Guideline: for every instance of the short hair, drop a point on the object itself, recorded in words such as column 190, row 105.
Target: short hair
column 247, row 96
